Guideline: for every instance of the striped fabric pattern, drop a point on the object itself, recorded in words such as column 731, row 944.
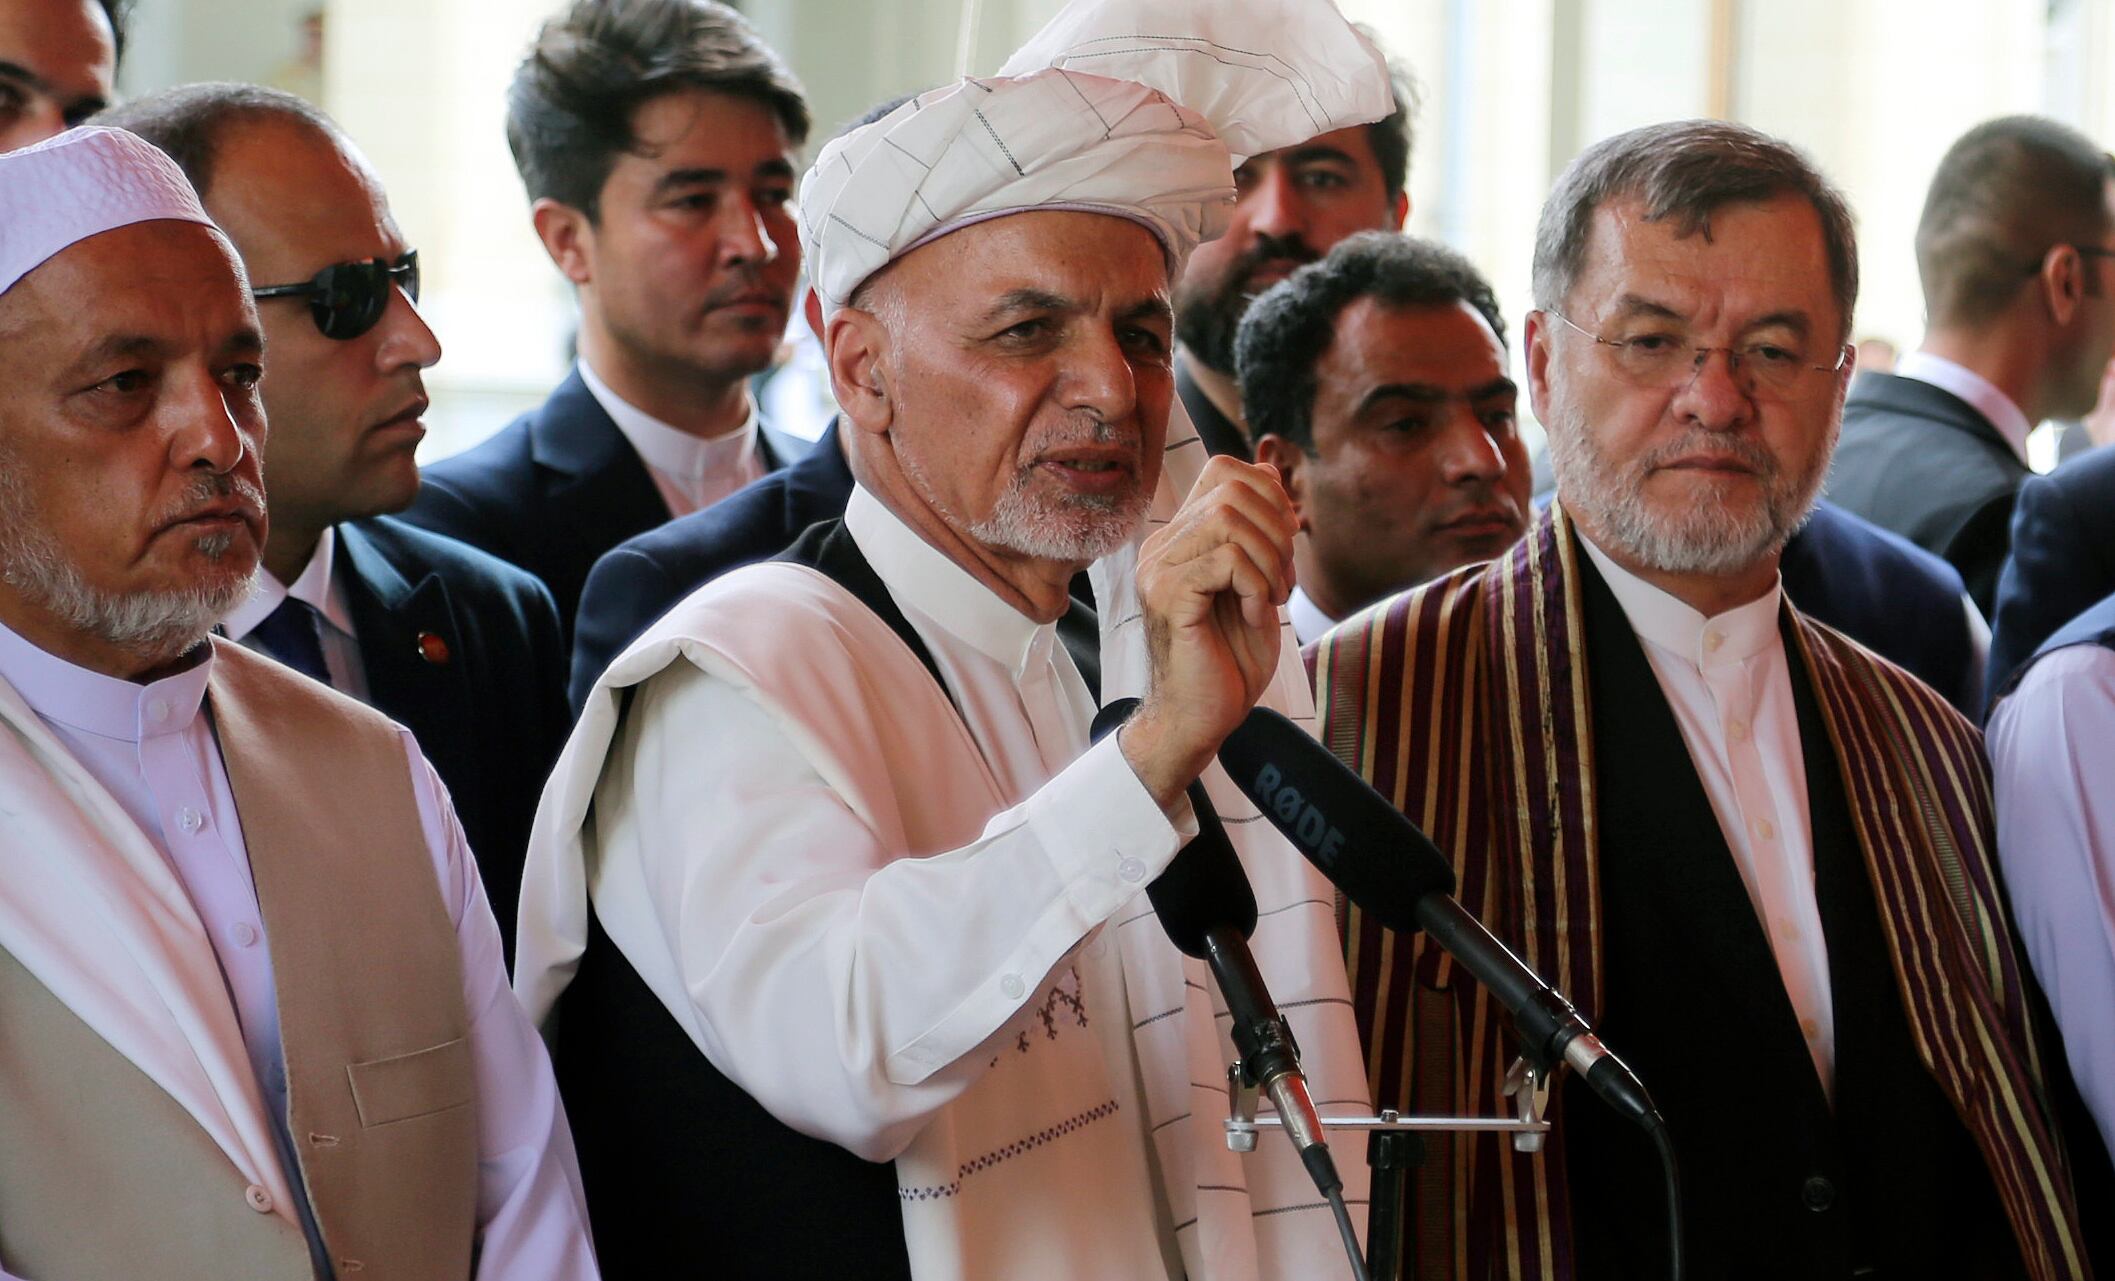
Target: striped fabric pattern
column 1465, row 703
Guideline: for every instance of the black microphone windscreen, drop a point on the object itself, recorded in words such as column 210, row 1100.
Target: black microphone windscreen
column 1115, row 714
column 1205, row 886
column 1360, row 842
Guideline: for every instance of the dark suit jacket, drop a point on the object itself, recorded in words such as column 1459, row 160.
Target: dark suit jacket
column 1889, row 595
column 554, row 490
column 2063, row 558
column 491, row 717
column 1925, row 464
column 645, row 576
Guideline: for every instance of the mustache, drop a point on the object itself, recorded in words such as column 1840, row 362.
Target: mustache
column 1751, row 453
column 1270, row 249
column 208, row 491
column 1085, row 427
column 746, row 281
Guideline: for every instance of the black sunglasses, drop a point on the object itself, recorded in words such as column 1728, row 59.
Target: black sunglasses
column 348, row 298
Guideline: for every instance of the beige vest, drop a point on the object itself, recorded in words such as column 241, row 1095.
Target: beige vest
column 103, row 1176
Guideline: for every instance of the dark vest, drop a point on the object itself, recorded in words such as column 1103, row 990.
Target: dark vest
column 666, row 1141
column 1776, row 1183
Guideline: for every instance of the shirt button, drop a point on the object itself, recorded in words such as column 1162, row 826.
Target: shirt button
column 1131, row 870
column 259, row 1199
column 158, row 710
column 1811, row 1028
column 1818, row 1193
column 1765, row 829
column 245, row 934
column 190, row 820
column 1737, row 730
column 1013, row 987
column 1712, row 641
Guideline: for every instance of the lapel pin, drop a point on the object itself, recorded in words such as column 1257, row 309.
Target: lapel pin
column 433, row 649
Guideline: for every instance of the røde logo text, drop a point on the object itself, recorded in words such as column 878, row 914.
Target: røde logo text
column 1298, row 818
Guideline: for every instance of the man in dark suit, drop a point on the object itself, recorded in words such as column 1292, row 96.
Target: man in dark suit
column 1291, row 207
column 642, row 577
column 2063, row 559
column 657, row 141
column 460, row 647
column 2012, row 249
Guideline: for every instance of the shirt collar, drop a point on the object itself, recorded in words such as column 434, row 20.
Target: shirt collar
column 1308, row 620
column 922, row 578
column 671, row 450
column 105, row 706
column 315, row 586
column 1662, row 620
column 1981, row 394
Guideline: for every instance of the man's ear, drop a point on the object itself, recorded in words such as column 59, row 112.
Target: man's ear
column 856, row 347
column 1399, row 212
column 568, row 236
column 1291, row 462
column 2062, row 280
column 1535, row 341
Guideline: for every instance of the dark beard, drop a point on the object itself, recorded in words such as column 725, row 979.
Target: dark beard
column 1207, row 321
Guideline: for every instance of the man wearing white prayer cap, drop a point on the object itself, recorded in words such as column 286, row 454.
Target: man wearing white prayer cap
column 253, row 1019
column 830, row 851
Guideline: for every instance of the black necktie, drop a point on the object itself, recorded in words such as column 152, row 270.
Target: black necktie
column 289, row 633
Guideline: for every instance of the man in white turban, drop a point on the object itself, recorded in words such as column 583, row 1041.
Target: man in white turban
column 253, row 1017
column 830, row 850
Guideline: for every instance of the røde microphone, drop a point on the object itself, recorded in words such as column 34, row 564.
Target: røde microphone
column 1206, row 905
column 1396, row 874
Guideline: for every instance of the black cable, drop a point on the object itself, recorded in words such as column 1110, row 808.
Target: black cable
column 1351, row 1235
column 1664, row 1141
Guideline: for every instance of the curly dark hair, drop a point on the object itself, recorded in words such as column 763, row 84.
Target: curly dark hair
column 1290, row 326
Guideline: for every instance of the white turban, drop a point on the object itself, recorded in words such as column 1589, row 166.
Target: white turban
column 1138, row 108
column 79, row 184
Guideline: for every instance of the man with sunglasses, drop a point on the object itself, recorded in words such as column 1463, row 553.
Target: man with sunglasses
column 657, row 141
column 1755, row 855
column 254, row 1021
column 2012, row 249
column 455, row 644
column 58, row 60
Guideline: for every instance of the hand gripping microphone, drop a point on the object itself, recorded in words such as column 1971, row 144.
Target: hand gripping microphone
column 1396, row 874
column 1206, row 905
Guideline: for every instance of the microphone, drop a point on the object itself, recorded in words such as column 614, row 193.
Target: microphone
column 1393, row 871
column 1208, row 908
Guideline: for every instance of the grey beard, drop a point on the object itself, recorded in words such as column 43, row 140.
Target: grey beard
column 158, row 627
column 1079, row 529
column 1701, row 537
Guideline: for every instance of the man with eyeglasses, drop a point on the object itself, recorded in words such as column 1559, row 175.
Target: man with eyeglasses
column 58, row 61
column 1755, row 855
column 253, row 1017
column 2012, row 250
column 455, row 644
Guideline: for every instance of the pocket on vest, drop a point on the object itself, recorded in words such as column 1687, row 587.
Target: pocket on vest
column 406, row 1086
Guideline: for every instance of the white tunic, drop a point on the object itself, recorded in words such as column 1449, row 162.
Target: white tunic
column 869, row 910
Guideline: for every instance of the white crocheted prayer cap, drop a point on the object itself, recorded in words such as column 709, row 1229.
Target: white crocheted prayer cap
column 79, row 184
column 1139, row 108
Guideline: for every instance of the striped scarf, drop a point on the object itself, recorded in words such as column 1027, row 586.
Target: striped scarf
column 1465, row 702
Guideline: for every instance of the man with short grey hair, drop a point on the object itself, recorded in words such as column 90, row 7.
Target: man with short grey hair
column 1692, row 807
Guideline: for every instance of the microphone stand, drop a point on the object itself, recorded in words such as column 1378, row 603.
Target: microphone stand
column 1395, row 1147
